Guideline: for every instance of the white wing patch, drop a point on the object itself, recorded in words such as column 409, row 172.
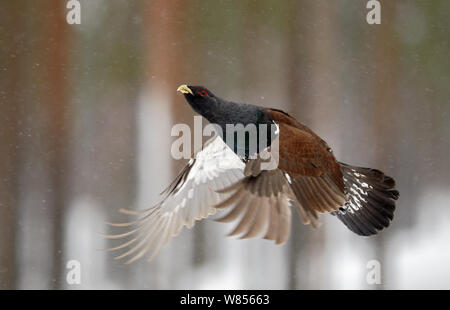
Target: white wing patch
column 192, row 196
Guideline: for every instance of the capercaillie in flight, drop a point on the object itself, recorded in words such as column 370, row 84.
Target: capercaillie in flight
column 308, row 178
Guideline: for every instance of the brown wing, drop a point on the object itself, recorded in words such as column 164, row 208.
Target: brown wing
column 283, row 117
column 261, row 206
column 307, row 176
column 316, row 176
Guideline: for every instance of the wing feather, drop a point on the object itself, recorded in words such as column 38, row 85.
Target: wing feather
column 189, row 198
column 261, row 204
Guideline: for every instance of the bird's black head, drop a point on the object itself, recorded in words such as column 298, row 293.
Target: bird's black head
column 223, row 113
column 200, row 99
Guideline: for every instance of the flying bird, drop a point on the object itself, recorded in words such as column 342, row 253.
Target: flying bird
column 307, row 177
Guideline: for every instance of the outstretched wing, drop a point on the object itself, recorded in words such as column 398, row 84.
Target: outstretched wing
column 308, row 177
column 316, row 176
column 261, row 206
column 190, row 197
column 261, row 203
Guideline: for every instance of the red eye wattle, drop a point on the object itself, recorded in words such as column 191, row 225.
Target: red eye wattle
column 203, row 93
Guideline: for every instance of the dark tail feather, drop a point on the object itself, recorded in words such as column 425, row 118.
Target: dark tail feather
column 371, row 203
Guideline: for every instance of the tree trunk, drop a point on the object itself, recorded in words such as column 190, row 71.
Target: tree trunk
column 383, row 106
column 10, row 106
column 295, row 67
column 165, row 56
column 312, row 95
column 55, row 106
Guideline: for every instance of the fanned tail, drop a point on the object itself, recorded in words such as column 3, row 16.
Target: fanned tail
column 371, row 200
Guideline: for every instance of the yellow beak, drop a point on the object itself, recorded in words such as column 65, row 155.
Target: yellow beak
column 185, row 90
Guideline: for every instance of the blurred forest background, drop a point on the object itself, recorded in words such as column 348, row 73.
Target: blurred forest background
column 86, row 112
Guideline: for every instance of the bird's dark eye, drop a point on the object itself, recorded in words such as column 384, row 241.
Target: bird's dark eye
column 203, row 92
